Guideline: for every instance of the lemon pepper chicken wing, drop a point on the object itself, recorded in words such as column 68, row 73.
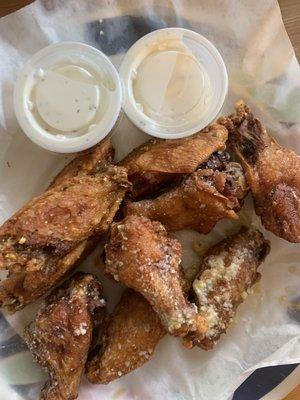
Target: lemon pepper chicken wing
column 143, row 257
column 61, row 335
column 159, row 161
column 227, row 272
column 272, row 172
column 211, row 193
column 53, row 232
column 129, row 339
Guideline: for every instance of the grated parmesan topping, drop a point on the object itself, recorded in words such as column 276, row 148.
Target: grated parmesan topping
column 215, row 298
column 81, row 330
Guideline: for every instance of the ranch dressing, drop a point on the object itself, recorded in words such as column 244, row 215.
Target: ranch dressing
column 174, row 82
column 170, row 85
column 68, row 97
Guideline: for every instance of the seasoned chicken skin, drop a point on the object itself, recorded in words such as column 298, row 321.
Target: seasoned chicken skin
column 87, row 163
column 272, row 172
column 54, row 231
column 160, row 161
column 132, row 332
column 143, row 257
column 211, row 193
column 227, row 272
column 129, row 339
column 62, row 333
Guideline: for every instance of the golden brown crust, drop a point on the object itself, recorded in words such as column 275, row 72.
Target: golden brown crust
column 200, row 201
column 61, row 335
column 87, row 163
column 227, row 272
column 49, row 235
column 143, row 257
column 272, row 172
column 129, row 340
column 159, row 161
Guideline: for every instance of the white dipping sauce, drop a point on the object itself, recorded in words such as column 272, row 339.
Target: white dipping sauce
column 170, row 85
column 174, row 82
column 67, row 98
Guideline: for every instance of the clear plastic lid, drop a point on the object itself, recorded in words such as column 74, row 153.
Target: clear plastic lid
column 175, row 83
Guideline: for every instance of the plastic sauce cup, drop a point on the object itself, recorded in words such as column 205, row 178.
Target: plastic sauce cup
column 68, row 97
column 174, row 82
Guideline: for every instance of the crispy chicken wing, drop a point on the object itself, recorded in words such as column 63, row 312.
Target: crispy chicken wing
column 54, row 231
column 143, row 257
column 211, row 193
column 132, row 332
column 129, row 339
column 272, row 172
column 62, row 333
column 227, row 272
column 88, row 162
column 159, row 161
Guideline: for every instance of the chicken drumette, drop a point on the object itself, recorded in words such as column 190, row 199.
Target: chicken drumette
column 62, row 333
column 272, row 172
column 143, row 257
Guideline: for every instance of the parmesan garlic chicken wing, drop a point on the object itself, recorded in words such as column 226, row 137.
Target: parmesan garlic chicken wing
column 272, row 172
column 142, row 256
column 227, row 272
column 213, row 192
column 128, row 341
column 52, row 233
column 158, row 162
column 62, row 333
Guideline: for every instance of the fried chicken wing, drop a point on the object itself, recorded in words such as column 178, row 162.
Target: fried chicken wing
column 132, row 332
column 143, row 257
column 272, row 172
column 211, row 193
column 62, row 333
column 159, row 161
column 53, row 232
column 227, row 272
column 88, row 162
column 129, row 339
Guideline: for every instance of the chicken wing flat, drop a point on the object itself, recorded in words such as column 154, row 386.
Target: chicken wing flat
column 159, row 161
column 200, row 201
column 130, row 337
column 143, row 257
column 227, row 272
column 62, row 333
column 272, row 172
column 88, row 162
column 53, row 232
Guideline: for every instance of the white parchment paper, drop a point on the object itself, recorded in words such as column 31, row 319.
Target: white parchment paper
column 264, row 72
